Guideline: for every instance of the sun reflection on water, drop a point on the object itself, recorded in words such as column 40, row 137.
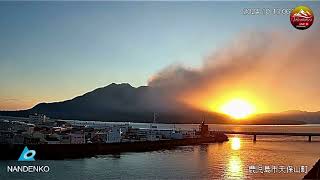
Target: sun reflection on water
column 235, row 143
column 235, row 167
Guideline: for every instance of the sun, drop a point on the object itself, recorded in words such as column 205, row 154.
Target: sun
column 237, row 108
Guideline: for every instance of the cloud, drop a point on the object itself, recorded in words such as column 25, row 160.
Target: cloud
column 8, row 99
column 282, row 70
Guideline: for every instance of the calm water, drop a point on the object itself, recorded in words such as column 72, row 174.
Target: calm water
column 230, row 160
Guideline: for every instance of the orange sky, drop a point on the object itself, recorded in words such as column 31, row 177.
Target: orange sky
column 273, row 71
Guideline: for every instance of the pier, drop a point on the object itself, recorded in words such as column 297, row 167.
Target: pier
column 255, row 134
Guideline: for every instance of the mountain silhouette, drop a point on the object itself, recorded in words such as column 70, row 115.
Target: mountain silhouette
column 124, row 103
column 121, row 102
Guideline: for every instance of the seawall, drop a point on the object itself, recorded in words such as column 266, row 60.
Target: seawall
column 70, row 151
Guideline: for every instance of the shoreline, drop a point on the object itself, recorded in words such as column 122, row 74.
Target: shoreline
column 232, row 122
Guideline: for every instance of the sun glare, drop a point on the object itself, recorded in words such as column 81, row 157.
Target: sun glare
column 235, row 143
column 237, row 108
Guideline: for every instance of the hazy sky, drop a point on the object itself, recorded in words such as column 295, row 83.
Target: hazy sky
column 52, row 51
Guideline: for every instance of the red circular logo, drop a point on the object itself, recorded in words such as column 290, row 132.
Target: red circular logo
column 301, row 17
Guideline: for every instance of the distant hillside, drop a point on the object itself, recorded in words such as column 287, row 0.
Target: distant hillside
column 293, row 115
column 122, row 102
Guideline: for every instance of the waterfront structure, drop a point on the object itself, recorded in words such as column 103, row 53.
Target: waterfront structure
column 204, row 130
column 38, row 118
column 58, row 140
column 52, row 139
column 148, row 135
column 45, row 131
column 170, row 134
column 189, row 134
column 113, row 135
column 65, row 138
column 5, row 125
column 77, row 138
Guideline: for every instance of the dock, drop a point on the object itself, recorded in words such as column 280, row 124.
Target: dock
column 255, row 134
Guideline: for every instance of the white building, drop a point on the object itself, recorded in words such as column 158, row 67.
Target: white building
column 38, row 118
column 189, row 134
column 113, row 135
column 176, row 135
column 124, row 128
column 148, row 135
column 170, row 134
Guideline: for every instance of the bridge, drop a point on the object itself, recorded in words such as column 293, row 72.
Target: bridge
column 255, row 134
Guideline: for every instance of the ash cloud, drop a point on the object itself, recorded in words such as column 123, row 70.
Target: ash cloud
column 281, row 69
